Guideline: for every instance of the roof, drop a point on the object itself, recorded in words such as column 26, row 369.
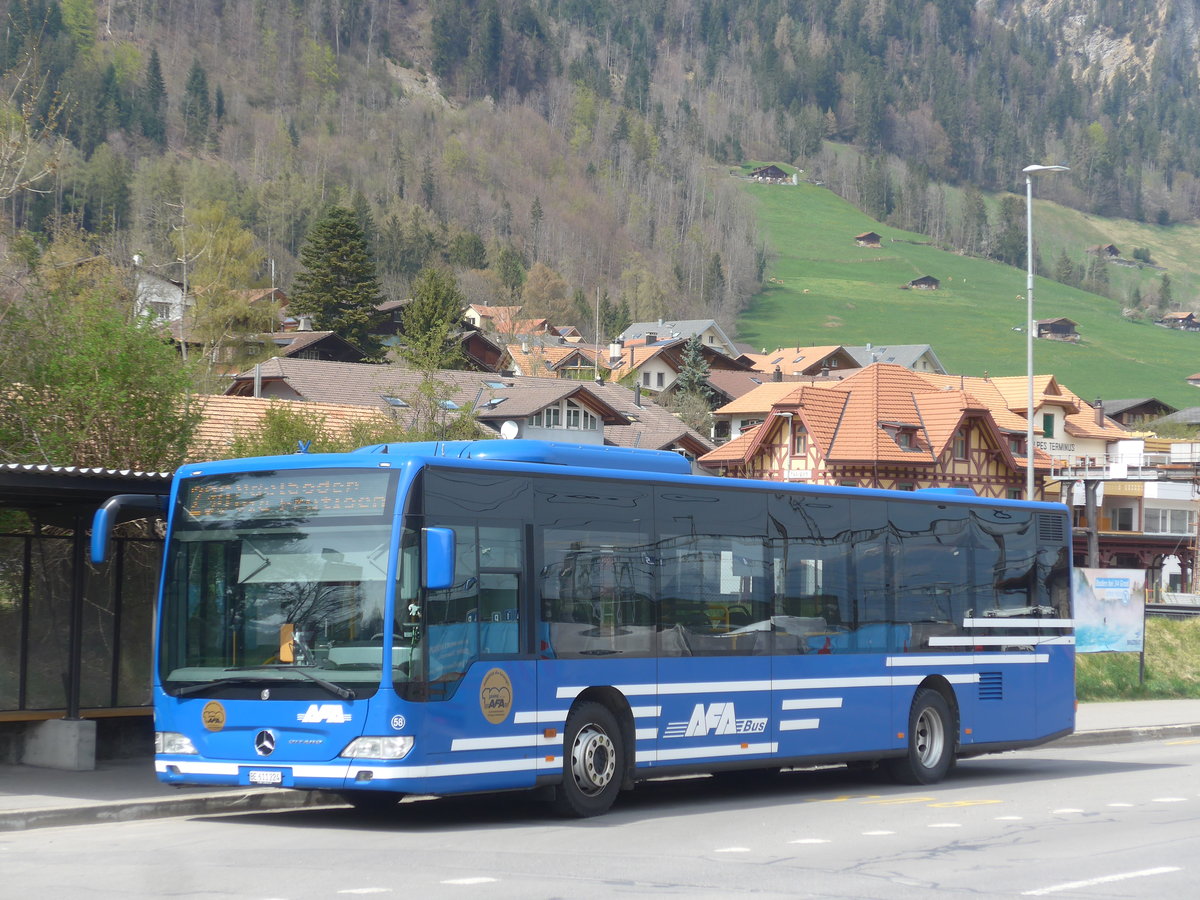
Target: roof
column 291, row 343
column 1188, row 416
column 857, row 419
column 905, row 355
column 680, row 328
column 1059, row 320
column 758, row 401
column 39, row 486
column 1116, row 407
column 225, row 417
column 797, row 359
column 492, row 398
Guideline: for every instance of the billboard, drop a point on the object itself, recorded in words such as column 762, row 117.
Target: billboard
column 1110, row 610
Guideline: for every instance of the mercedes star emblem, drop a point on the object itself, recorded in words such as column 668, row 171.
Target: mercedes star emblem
column 264, row 743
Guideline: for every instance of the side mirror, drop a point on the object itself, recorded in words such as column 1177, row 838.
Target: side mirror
column 110, row 511
column 437, row 555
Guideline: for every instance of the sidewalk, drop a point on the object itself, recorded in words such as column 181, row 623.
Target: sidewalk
column 125, row 790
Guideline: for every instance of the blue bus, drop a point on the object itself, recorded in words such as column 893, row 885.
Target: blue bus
column 442, row 618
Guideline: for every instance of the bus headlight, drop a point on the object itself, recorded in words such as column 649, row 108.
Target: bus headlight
column 173, row 742
column 391, row 747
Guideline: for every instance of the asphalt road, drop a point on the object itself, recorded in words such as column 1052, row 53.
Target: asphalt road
column 1115, row 821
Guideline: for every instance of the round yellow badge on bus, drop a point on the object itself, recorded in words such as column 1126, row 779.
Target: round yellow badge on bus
column 495, row 696
column 213, row 716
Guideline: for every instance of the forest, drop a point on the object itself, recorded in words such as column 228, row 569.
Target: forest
column 568, row 153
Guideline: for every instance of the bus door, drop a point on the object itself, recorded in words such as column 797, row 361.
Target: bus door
column 715, row 638
column 474, row 654
column 594, row 571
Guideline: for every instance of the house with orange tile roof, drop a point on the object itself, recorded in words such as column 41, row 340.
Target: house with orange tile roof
column 226, row 418
column 883, row 426
column 655, row 366
column 802, row 361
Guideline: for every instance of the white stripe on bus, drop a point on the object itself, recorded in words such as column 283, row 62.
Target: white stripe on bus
column 1008, row 640
column 801, row 684
column 701, row 752
column 545, row 715
column 814, row 703
column 799, row 724
column 503, row 742
column 1018, row 623
column 970, row 659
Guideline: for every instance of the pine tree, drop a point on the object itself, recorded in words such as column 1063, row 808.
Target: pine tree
column 693, row 374
column 154, row 102
column 196, row 107
column 339, row 287
column 430, row 322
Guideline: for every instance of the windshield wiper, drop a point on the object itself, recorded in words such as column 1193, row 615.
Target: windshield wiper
column 335, row 689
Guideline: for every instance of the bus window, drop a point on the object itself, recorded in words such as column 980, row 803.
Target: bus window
column 714, row 573
column 597, row 569
column 932, row 573
column 811, row 550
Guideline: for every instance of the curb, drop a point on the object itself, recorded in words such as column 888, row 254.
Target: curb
column 134, row 810
column 1126, row 735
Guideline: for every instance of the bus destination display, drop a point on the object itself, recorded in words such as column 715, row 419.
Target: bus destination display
column 244, row 498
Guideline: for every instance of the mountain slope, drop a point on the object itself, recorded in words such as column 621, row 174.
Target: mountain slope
column 823, row 289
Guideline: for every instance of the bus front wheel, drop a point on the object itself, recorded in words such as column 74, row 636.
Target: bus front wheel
column 930, row 741
column 593, row 762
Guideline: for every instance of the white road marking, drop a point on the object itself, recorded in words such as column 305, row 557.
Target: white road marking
column 1104, row 879
column 809, row 841
column 366, row 891
column 1009, row 818
column 946, row 825
column 876, row 833
column 469, row 881
column 1121, row 805
column 1169, row 800
column 1067, row 810
column 732, row 850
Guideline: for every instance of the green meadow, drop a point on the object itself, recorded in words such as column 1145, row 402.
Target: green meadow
column 820, row 288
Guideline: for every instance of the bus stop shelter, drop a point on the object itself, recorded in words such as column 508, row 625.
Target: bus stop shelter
column 75, row 657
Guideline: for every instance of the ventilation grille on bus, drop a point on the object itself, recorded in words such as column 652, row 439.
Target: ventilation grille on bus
column 1051, row 529
column 991, row 686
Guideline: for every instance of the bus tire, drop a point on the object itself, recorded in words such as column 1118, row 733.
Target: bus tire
column 930, row 741
column 593, row 762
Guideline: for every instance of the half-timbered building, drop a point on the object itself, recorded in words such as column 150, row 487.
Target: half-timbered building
column 887, row 427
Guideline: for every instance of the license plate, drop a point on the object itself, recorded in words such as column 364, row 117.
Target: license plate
column 257, row 777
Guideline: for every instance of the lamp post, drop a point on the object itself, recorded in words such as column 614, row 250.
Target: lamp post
column 1031, row 326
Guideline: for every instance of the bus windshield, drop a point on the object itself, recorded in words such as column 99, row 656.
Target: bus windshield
column 270, row 579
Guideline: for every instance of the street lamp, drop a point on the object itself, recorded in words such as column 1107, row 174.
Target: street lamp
column 1031, row 326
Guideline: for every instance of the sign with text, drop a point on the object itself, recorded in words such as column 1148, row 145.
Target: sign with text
column 1110, row 610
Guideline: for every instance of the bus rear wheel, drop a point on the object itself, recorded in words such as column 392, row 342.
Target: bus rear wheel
column 593, row 762
column 930, row 741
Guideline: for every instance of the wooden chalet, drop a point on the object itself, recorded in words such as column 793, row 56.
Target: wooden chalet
column 1185, row 321
column 770, row 173
column 867, row 239
column 1059, row 329
column 887, row 427
column 924, row 283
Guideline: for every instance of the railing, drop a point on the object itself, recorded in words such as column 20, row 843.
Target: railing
column 1136, row 467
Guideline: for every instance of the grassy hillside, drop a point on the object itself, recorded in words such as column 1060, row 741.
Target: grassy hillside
column 823, row 289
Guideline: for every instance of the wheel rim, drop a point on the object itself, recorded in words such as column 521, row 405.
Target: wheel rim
column 593, row 760
column 929, row 738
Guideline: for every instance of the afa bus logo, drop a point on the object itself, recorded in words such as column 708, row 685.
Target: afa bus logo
column 330, row 713
column 715, row 718
column 495, row 696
